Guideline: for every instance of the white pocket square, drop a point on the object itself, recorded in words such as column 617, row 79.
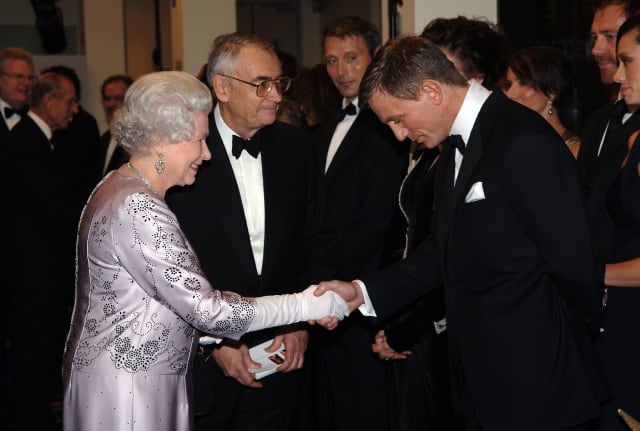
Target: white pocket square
column 476, row 193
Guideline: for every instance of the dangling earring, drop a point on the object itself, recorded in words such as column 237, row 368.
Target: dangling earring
column 550, row 111
column 160, row 163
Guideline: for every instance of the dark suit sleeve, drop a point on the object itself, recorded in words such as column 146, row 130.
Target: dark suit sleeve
column 403, row 283
column 590, row 139
column 551, row 210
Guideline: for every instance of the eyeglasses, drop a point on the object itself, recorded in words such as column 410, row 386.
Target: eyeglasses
column 264, row 86
column 20, row 76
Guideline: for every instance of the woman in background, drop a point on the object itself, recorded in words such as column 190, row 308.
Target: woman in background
column 617, row 343
column 539, row 78
column 315, row 94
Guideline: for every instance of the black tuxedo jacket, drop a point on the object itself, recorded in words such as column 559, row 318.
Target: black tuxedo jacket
column 210, row 213
column 517, row 271
column 597, row 173
column 4, row 131
column 42, row 265
column 77, row 155
column 361, row 185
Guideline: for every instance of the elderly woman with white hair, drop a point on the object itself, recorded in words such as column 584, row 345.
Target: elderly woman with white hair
column 141, row 297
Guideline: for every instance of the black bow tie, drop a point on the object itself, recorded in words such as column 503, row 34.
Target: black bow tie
column 8, row 112
column 350, row 109
column 252, row 146
column 455, row 141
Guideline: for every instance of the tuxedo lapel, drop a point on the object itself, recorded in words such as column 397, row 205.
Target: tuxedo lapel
column 472, row 155
column 348, row 144
column 274, row 161
column 4, row 131
column 323, row 139
column 474, row 148
column 226, row 203
column 618, row 137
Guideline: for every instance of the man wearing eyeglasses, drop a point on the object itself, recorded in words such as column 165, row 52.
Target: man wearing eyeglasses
column 16, row 82
column 254, row 220
column 363, row 167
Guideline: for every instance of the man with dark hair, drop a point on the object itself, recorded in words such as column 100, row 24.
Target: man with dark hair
column 608, row 16
column 478, row 45
column 16, row 81
column 111, row 155
column 42, row 252
column 254, row 219
column 509, row 241
column 363, row 168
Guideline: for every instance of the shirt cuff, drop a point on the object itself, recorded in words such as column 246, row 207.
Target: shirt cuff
column 207, row 340
column 367, row 308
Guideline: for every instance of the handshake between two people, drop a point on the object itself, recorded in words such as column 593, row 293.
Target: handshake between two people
column 325, row 304
column 346, row 295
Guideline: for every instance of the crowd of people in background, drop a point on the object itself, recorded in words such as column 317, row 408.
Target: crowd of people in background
column 489, row 257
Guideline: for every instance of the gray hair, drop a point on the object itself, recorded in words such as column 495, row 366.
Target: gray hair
column 226, row 48
column 47, row 83
column 14, row 53
column 158, row 107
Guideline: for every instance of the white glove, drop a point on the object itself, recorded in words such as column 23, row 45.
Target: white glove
column 278, row 310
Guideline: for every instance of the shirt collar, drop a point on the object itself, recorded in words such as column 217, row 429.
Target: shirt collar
column 226, row 134
column 3, row 105
column 41, row 124
column 471, row 106
column 345, row 103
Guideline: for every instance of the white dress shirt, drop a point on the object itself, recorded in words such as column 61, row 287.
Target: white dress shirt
column 341, row 131
column 111, row 148
column 248, row 173
column 625, row 117
column 466, row 118
column 11, row 121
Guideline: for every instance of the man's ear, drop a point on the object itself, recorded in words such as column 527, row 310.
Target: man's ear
column 432, row 91
column 221, row 88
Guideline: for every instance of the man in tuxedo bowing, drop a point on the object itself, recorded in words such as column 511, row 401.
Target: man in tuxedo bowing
column 510, row 243
column 42, row 252
column 254, row 220
column 363, row 168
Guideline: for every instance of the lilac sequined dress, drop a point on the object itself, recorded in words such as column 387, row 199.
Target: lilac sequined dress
column 140, row 298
